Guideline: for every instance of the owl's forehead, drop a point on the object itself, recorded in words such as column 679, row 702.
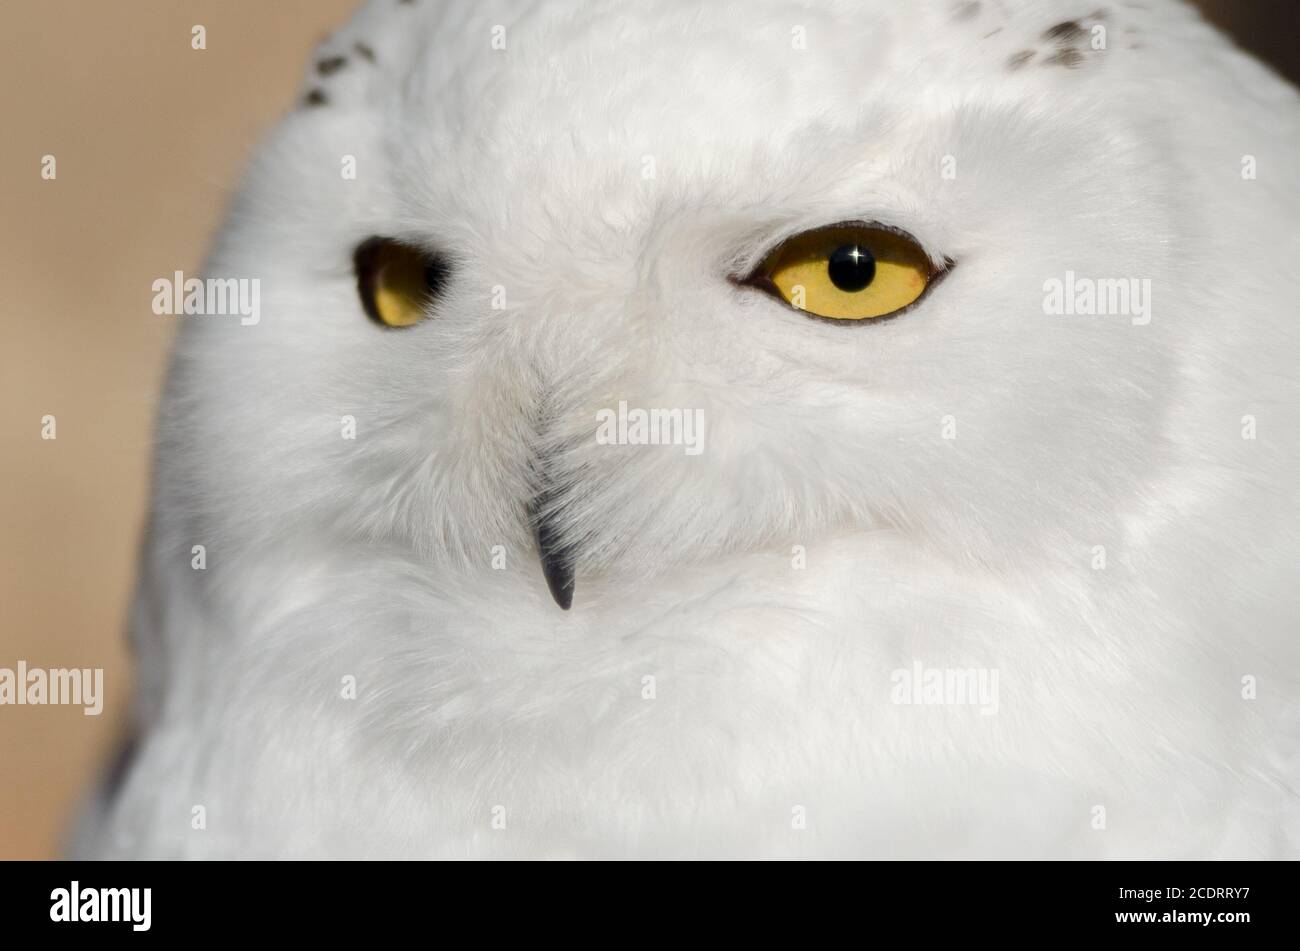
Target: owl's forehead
column 679, row 70
column 576, row 103
column 654, row 74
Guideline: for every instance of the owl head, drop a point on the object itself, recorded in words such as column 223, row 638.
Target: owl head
column 841, row 243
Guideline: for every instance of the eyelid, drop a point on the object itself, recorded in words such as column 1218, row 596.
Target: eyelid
column 753, row 262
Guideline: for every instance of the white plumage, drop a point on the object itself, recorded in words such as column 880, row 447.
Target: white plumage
column 726, row 680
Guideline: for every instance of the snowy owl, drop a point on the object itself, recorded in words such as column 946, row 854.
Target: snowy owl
column 742, row 429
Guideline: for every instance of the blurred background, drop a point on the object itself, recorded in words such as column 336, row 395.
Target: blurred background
column 149, row 137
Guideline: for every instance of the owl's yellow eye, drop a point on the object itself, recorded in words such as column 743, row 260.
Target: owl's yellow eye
column 847, row 272
column 396, row 281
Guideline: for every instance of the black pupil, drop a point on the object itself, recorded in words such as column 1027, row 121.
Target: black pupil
column 851, row 267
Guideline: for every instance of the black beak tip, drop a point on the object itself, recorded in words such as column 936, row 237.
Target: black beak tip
column 559, row 579
column 557, row 568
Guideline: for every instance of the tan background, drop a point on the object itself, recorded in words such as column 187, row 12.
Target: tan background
column 149, row 136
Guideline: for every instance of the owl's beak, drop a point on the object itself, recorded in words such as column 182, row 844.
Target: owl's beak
column 557, row 567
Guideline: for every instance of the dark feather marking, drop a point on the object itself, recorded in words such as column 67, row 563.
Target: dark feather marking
column 1017, row 60
column 1069, row 58
column 1064, row 32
